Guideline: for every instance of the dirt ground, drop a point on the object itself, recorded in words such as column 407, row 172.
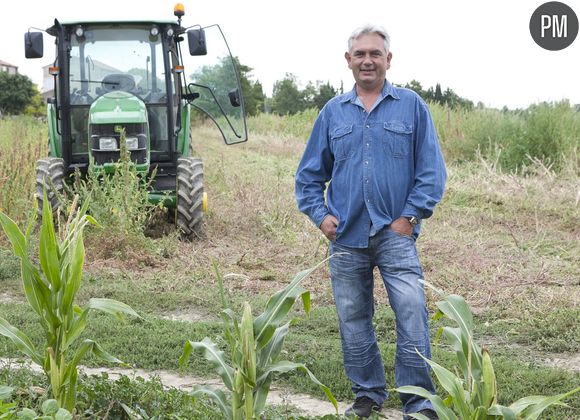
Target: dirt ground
column 306, row 404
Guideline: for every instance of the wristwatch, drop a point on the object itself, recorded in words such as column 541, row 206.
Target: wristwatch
column 413, row 220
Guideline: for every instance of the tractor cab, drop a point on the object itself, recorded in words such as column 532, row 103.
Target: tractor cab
column 126, row 82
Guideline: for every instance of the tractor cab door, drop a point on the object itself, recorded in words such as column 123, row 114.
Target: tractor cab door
column 213, row 75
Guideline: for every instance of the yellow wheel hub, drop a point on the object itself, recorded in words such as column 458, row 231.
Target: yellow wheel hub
column 204, row 205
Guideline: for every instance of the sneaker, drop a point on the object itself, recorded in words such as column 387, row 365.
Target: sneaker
column 363, row 407
column 427, row 412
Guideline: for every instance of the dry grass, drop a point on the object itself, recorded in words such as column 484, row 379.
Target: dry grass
column 503, row 241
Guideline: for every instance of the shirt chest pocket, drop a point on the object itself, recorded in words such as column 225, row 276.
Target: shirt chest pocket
column 398, row 138
column 342, row 142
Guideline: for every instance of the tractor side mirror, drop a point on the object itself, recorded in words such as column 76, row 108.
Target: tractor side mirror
column 33, row 45
column 196, row 41
column 235, row 99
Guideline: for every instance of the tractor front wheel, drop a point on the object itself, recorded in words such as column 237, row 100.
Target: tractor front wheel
column 49, row 177
column 190, row 197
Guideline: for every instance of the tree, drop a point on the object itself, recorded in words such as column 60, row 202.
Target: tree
column 252, row 91
column 286, row 97
column 16, row 93
column 220, row 79
column 325, row 93
column 438, row 95
column 416, row 86
column 37, row 106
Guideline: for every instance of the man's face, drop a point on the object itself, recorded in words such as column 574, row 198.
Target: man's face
column 368, row 61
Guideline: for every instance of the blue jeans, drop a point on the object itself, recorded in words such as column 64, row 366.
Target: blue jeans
column 396, row 257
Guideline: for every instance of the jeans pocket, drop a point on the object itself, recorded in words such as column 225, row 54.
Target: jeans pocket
column 402, row 235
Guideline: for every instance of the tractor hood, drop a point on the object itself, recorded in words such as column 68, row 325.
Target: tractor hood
column 118, row 107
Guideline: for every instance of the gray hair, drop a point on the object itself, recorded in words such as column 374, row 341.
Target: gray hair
column 370, row 29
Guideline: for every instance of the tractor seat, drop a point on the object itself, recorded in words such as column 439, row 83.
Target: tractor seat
column 118, row 81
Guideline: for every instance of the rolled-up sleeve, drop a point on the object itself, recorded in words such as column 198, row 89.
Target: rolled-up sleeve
column 430, row 173
column 314, row 171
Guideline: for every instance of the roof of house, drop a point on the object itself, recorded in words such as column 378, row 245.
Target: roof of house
column 4, row 63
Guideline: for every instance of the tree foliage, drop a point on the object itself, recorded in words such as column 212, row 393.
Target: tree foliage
column 288, row 99
column 16, row 93
column 447, row 97
column 252, row 90
column 221, row 78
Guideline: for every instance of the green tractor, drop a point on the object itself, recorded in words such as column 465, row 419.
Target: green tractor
column 125, row 80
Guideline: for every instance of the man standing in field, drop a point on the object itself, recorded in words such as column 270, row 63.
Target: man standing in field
column 377, row 148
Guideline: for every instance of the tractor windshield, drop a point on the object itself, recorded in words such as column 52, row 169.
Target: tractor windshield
column 108, row 58
column 105, row 58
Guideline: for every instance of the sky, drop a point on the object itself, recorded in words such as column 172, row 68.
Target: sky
column 482, row 50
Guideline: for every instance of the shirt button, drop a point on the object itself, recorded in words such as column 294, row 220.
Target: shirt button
column 367, row 145
column 368, row 126
column 366, row 162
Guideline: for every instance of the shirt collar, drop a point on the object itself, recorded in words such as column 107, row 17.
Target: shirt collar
column 388, row 90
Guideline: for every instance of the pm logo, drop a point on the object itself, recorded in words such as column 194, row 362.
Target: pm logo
column 554, row 26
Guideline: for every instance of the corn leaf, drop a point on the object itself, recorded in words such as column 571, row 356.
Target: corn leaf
column 20, row 340
column 279, row 305
column 48, row 248
column 111, row 306
column 530, row 408
column 15, row 236
column 452, row 385
column 500, row 410
column 248, row 345
column 286, row 366
column 453, row 337
column 37, row 292
column 455, row 308
column 261, row 395
column 89, row 346
column 270, row 353
column 75, row 274
column 213, row 355
column 77, row 326
column 217, row 395
column 444, row 412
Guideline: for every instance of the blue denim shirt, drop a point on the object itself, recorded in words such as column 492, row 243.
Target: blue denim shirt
column 381, row 165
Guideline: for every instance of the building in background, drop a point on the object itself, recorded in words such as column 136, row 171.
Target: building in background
column 8, row 68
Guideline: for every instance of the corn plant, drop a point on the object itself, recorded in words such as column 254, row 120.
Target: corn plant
column 254, row 347
column 50, row 290
column 473, row 393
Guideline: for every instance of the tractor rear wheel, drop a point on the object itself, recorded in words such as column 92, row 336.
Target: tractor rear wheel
column 189, row 210
column 49, row 177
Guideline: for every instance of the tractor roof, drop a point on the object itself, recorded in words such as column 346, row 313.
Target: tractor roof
column 119, row 22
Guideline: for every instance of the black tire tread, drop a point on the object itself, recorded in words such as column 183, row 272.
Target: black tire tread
column 50, row 174
column 189, row 211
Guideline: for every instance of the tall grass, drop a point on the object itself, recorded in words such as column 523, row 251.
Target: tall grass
column 513, row 141
column 546, row 132
column 22, row 142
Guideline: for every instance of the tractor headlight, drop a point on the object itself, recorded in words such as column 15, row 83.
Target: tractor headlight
column 107, row 143
column 132, row 143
